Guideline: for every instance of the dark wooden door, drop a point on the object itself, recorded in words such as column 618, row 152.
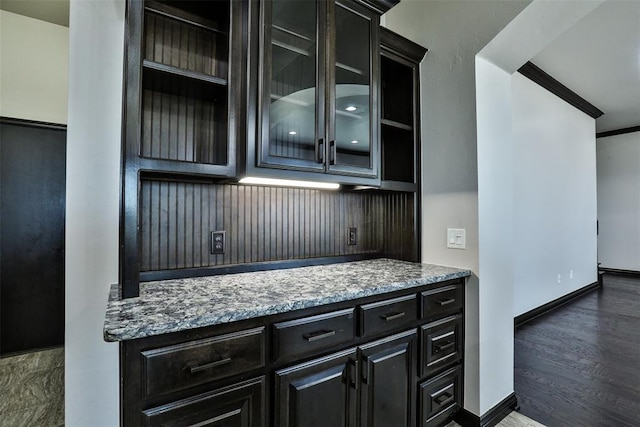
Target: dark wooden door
column 32, row 215
column 319, row 393
column 387, row 375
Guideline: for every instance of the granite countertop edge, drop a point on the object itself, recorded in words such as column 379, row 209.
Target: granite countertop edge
column 178, row 305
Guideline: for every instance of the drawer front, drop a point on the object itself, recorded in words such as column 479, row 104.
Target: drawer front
column 239, row 405
column 180, row 366
column 310, row 334
column 440, row 397
column 441, row 343
column 387, row 315
column 442, row 301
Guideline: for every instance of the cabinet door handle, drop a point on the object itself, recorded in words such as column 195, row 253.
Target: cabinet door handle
column 443, row 399
column 320, row 151
column 194, row 369
column 444, row 346
column 392, row 316
column 354, row 381
column 333, row 150
column 446, row 301
column 315, row 336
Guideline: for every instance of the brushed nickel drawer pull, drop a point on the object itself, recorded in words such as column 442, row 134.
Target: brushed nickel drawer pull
column 315, row 336
column 443, row 302
column 195, row 369
column 392, row 316
column 445, row 346
column 443, row 399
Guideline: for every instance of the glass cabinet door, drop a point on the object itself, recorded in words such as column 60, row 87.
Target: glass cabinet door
column 352, row 133
column 292, row 132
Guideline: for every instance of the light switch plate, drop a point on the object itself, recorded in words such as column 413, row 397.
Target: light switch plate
column 457, row 238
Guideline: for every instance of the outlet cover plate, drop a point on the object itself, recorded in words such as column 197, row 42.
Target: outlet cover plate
column 218, row 242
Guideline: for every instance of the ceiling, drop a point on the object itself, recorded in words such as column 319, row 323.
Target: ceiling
column 599, row 59
column 54, row 11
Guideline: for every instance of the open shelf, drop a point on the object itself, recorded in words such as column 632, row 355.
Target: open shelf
column 185, row 45
column 398, row 154
column 397, row 92
column 183, row 118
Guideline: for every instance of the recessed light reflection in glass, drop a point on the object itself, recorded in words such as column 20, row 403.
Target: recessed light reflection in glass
column 351, row 108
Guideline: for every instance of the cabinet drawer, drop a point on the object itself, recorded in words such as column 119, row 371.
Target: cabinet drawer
column 238, row 405
column 440, row 397
column 441, row 343
column 387, row 315
column 177, row 367
column 442, row 301
column 309, row 334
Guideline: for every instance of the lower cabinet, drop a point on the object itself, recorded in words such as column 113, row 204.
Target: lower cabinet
column 386, row 377
column 440, row 397
column 380, row 361
column 318, row 393
column 368, row 386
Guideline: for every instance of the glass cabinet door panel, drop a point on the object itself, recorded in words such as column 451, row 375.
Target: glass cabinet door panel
column 352, row 89
column 293, row 118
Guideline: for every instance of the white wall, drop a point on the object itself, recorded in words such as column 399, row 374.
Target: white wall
column 618, row 160
column 555, row 196
column 93, row 177
column 531, row 31
column 453, row 31
column 33, row 69
column 496, row 230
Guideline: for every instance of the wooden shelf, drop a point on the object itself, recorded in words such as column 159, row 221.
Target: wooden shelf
column 184, row 16
column 345, row 67
column 193, row 75
column 396, row 125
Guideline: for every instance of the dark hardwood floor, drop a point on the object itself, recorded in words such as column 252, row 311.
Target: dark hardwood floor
column 580, row 365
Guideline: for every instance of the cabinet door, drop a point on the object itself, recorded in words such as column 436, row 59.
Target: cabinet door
column 387, row 374
column 318, row 393
column 353, row 93
column 291, row 133
column 241, row 405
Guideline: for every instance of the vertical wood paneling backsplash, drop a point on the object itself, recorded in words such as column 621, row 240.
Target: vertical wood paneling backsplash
column 267, row 224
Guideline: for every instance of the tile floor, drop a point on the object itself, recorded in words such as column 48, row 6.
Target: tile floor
column 514, row 419
column 32, row 389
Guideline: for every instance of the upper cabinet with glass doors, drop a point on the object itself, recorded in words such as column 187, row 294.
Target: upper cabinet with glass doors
column 317, row 89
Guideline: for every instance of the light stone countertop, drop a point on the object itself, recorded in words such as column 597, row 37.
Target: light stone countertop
column 181, row 304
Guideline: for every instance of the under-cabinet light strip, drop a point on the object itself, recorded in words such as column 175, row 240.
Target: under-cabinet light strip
column 289, row 183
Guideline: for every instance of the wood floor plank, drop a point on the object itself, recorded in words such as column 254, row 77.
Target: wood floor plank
column 580, row 365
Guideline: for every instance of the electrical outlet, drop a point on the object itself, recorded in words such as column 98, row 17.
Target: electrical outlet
column 559, row 278
column 218, row 242
column 352, row 236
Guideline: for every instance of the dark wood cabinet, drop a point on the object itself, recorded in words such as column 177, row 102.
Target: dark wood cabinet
column 386, row 376
column 400, row 111
column 316, row 95
column 183, row 68
column 440, row 397
column 183, row 85
column 318, row 393
column 313, row 367
column 222, row 89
